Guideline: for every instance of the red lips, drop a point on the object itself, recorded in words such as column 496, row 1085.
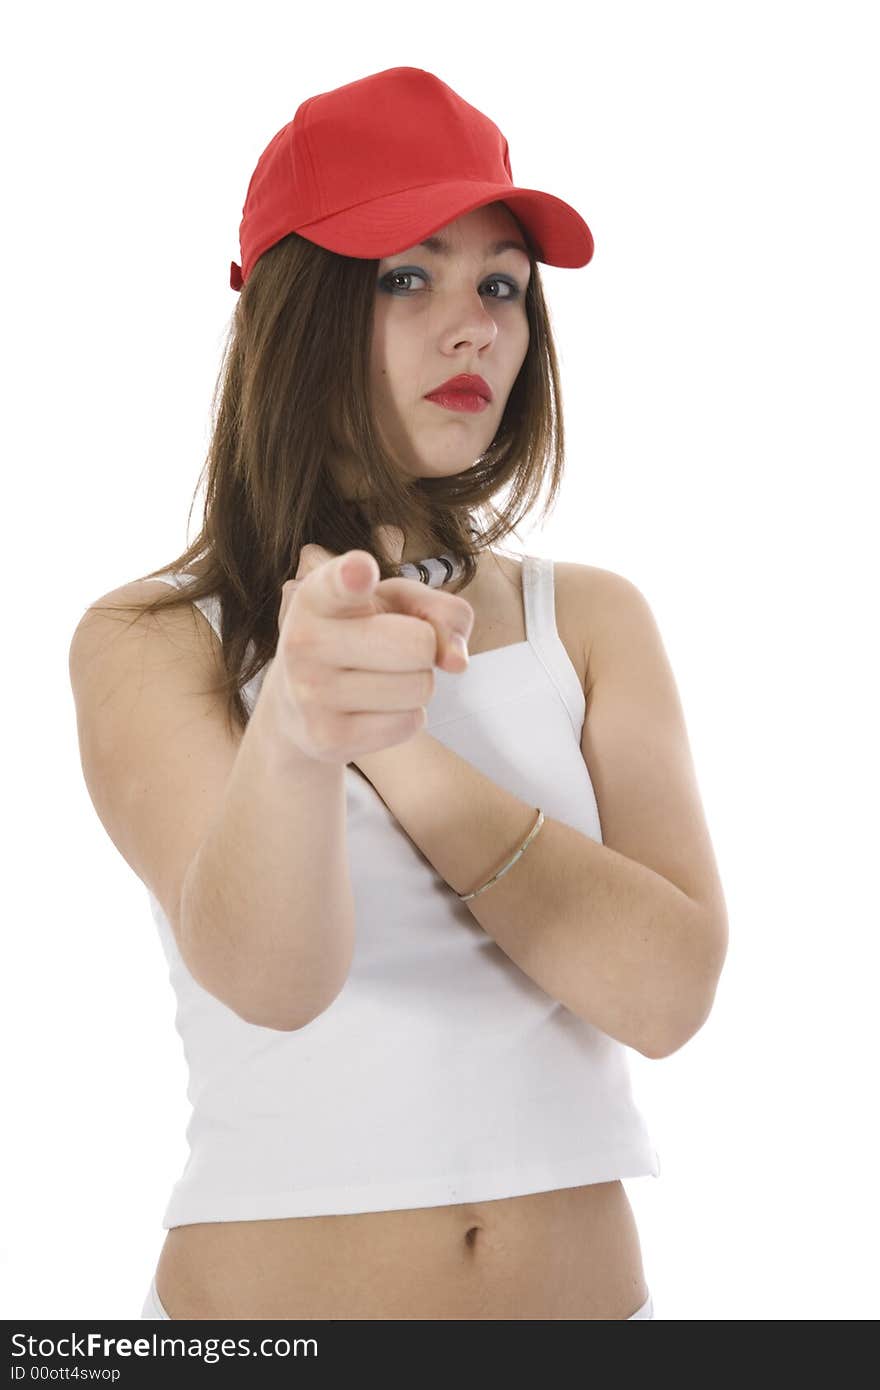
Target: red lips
column 466, row 384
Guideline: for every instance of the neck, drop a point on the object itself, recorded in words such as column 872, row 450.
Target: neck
column 413, row 554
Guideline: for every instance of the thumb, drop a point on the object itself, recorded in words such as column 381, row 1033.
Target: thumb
column 358, row 572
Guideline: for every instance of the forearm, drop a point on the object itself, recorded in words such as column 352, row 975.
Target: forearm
column 615, row 942
column 267, row 915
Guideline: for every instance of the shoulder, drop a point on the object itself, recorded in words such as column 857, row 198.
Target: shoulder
column 588, row 584
column 572, row 580
column 132, row 598
column 119, row 622
column 586, row 598
column 592, row 603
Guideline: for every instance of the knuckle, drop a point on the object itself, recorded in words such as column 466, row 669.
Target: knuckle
column 461, row 616
column 306, row 692
column 428, row 651
column 301, row 642
column 312, row 677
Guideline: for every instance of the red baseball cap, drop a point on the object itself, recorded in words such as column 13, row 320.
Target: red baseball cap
column 373, row 167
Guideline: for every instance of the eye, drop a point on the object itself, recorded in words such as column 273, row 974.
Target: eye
column 386, row 283
column 400, row 275
column 514, row 289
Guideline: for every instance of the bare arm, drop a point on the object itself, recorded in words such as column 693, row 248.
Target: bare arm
column 241, row 835
column 267, row 910
column 630, row 934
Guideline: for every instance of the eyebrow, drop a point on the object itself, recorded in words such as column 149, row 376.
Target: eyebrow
column 442, row 248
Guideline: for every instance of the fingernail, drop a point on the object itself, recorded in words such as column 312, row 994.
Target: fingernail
column 459, row 645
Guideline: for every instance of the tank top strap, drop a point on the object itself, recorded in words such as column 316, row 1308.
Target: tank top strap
column 542, row 633
column 209, row 606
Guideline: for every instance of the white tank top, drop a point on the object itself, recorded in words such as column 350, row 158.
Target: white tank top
column 441, row 1073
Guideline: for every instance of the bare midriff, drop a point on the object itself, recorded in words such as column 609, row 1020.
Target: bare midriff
column 569, row 1253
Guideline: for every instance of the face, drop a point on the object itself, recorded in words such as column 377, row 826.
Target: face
column 441, row 311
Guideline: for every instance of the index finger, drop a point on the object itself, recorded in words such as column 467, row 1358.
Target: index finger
column 346, row 587
column 450, row 615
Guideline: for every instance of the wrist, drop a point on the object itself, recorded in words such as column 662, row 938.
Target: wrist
column 270, row 725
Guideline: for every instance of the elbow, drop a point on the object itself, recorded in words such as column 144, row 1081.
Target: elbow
column 670, row 1038
column 690, row 1006
column 283, row 996
column 277, row 1021
column 281, row 1019
column 285, row 1014
column 668, row 1044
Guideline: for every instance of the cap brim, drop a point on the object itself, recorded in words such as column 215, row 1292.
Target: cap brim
column 388, row 225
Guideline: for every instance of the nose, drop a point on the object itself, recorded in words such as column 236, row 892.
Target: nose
column 470, row 323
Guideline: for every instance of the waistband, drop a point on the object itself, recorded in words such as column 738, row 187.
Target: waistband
column 152, row 1308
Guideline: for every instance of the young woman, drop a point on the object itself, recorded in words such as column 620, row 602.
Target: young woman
column 415, row 907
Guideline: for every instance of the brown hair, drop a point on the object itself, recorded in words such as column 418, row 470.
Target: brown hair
column 293, row 377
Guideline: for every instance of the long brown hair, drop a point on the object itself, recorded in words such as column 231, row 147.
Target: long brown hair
column 293, row 384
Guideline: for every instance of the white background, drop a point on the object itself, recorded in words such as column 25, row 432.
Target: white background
column 719, row 360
